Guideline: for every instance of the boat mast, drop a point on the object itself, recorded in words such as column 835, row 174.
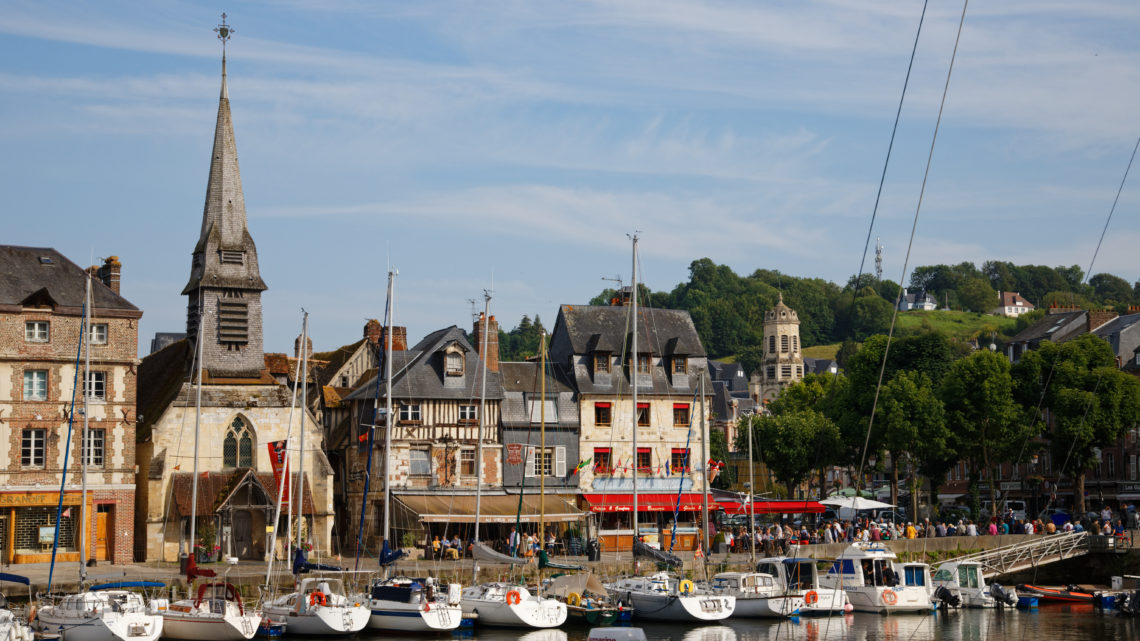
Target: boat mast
column 751, row 495
column 542, row 441
column 299, row 490
column 479, row 438
column 708, row 470
column 633, row 378
column 388, row 407
column 198, row 339
column 86, row 528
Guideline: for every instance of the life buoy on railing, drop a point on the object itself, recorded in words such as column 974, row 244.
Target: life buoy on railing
column 574, row 599
column 318, row 598
column 811, row 598
column 889, row 597
column 514, row 598
column 686, row 587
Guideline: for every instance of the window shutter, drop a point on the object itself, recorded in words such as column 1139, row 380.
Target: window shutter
column 529, row 473
column 560, row 461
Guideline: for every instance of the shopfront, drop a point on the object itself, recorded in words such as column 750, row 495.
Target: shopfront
column 28, row 526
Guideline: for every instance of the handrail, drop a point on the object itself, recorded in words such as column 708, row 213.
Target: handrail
column 1014, row 556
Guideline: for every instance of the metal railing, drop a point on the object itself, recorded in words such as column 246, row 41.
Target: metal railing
column 1032, row 553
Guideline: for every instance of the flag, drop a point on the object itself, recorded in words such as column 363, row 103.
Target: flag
column 177, row 467
column 582, row 465
column 67, row 513
column 669, row 469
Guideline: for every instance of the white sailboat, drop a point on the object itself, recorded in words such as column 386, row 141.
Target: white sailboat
column 11, row 627
column 799, row 578
column 501, row 604
column 318, row 606
column 757, row 594
column 103, row 613
column 402, row 603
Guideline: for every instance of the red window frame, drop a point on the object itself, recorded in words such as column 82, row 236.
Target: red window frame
column 648, row 452
column 608, row 467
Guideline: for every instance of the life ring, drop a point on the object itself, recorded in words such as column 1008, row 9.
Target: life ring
column 889, row 597
column 811, row 598
column 686, row 587
column 317, row 598
column 514, row 598
column 574, row 599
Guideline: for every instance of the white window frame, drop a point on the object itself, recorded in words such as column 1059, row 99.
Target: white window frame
column 38, row 331
column 468, row 412
column 410, row 412
column 38, row 379
column 34, row 439
column 96, row 446
column 95, row 386
column 98, row 334
column 468, row 453
column 412, row 462
column 453, row 363
column 528, row 465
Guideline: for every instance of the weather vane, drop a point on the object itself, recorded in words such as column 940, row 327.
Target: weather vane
column 224, row 32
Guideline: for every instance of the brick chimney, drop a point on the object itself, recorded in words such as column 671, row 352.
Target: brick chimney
column 375, row 334
column 297, row 346
column 1096, row 318
column 373, row 330
column 109, row 273
column 492, row 341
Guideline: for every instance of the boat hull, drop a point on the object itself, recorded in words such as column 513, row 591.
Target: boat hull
column 409, row 617
column 528, row 613
column 875, row 599
column 209, row 627
column 111, row 627
column 827, row 601
column 767, row 607
column 320, row 620
column 667, row 607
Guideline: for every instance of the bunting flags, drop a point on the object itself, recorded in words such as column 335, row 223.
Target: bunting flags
column 581, row 466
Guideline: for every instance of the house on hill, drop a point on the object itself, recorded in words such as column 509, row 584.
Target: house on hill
column 1012, row 304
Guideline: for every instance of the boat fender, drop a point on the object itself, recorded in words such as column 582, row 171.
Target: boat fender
column 513, row 597
column 811, row 598
column 427, row 607
column 31, row 614
column 574, row 599
column 889, row 597
column 686, row 587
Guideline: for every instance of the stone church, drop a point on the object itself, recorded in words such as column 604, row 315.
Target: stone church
column 243, row 408
column 783, row 363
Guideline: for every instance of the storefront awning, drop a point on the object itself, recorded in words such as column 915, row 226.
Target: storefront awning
column 690, row 502
column 434, row 508
column 772, row 507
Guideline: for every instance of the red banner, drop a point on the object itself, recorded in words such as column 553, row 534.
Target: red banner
column 279, row 458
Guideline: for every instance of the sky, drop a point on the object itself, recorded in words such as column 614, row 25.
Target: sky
column 514, row 146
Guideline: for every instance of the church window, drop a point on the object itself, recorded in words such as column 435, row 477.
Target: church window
column 237, row 448
column 785, row 371
column 233, row 320
column 771, row 344
column 800, row 371
column 771, row 371
column 784, row 343
column 795, row 343
column 230, row 257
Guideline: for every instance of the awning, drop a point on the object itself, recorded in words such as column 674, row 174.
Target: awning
column 772, row 507
column 436, row 508
column 690, row 502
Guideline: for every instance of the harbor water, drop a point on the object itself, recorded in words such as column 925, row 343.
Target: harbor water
column 1051, row 623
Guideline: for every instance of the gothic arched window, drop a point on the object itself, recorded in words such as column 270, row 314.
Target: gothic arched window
column 237, row 448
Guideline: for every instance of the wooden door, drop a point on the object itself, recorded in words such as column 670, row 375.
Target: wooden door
column 243, row 534
column 101, row 536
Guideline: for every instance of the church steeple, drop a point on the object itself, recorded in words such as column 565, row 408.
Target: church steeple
column 225, row 284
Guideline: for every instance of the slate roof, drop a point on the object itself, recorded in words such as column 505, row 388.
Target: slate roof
column 335, row 359
column 418, row 372
column 818, row 365
column 23, row 274
column 722, row 401
column 731, row 374
column 521, row 381
column 1122, row 333
column 1054, row 327
column 660, row 331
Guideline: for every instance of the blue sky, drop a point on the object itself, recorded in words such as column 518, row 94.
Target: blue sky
column 527, row 139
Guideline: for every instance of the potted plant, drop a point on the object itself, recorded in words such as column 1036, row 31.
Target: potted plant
column 719, row 546
column 206, row 549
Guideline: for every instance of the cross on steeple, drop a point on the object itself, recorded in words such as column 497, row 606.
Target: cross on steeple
column 224, row 32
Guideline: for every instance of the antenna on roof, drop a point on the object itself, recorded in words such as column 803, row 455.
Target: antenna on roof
column 615, row 279
column 474, row 309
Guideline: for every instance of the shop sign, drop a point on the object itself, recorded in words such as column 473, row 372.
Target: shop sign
column 19, row 499
column 514, row 454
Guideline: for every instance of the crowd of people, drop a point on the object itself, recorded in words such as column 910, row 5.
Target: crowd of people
column 776, row 538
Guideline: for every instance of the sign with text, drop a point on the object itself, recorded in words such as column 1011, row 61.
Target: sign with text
column 514, row 454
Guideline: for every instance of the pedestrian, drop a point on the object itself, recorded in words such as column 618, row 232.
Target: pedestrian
column 513, row 542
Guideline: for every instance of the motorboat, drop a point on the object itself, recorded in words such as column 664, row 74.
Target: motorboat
column 665, row 597
column 874, row 582
column 318, row 607
column 965, row 580
column 109, row 612
column 1046, row 594
column 509, row 605
column 587, row 600
column 216, row 614
column 413, row 605
column 799, row 577
column 757, row 594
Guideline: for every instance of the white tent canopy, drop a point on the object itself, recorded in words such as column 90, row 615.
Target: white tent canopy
column 856, row 503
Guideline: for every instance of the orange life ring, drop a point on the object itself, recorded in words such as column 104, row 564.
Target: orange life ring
column 811, row 598
column 318, row 598
column 890, row 598
column 514, row 598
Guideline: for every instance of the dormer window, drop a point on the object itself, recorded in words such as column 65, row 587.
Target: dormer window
column 680, row 365
column 601, row 362
column 643, row 363
column 453, row 363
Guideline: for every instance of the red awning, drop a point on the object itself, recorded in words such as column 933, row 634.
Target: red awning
column 773, row 507
column 690, row 502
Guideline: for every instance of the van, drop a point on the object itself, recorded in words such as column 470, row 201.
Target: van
column 1016, row 505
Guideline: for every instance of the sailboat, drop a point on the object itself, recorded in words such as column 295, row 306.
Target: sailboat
column 11, row 627
column 318, row 606
column 102, row 613
column 217, row 612
column 501, row 603
column 402, row 603
column 662, row 596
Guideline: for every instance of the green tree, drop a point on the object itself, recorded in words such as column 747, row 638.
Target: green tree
column 982, row 414
column 911, row 414
column 977, row 295
column 1091, row 403
column 1112, row 290
column 793, row 445
column 718, row 450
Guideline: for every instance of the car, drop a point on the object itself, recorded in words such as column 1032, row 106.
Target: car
column 893, row 516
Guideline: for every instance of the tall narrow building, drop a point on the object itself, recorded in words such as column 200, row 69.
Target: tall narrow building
column 243, row 408
column 225, row 284
column 782, row 364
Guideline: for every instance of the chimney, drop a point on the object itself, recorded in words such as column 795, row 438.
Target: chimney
column 399, row 338
column 1095, row 319
column 308, row 346
column 373, row 330
column 492, row 341
column 109, row 273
